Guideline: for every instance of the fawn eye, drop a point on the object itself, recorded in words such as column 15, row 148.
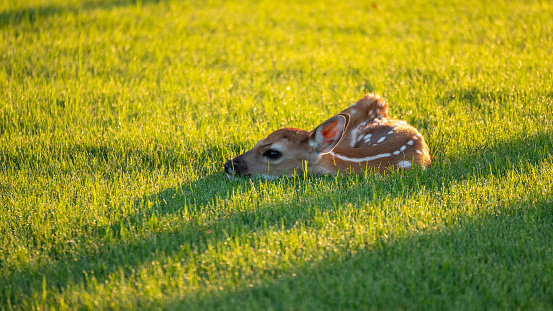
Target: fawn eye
column 272, row 154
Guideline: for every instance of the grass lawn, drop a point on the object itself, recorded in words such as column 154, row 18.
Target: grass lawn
column 117, row 115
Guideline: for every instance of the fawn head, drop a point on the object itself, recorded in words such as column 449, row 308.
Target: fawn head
column 289, row 150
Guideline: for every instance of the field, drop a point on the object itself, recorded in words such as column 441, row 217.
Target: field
column 117, row 115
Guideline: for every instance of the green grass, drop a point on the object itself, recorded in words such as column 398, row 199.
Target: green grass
column 116, row 117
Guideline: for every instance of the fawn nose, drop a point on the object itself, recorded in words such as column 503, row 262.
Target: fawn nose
column 235, row 166
column 228, row 167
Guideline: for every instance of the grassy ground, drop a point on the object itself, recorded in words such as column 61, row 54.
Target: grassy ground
column 116, row 117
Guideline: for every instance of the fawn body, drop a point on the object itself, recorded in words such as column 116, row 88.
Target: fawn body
column 360, row 137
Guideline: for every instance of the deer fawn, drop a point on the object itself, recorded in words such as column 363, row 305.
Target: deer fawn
column 360, row 137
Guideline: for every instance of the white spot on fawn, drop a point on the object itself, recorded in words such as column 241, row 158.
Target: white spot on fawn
column 367, row 159
column 402, row 148
column 404, row 164
column 354, row 136
column 418, row 151
column 396, row 152
column 410, row 142
column 381, row 139
column 368, row 138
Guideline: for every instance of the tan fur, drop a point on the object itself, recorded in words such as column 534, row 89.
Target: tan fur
column 368, row 140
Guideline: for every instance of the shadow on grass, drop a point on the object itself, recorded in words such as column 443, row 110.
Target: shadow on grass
column 471, row 266
column 14, row 17
column 194, row 201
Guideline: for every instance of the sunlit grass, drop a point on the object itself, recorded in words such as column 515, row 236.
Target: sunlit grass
column 116, row 117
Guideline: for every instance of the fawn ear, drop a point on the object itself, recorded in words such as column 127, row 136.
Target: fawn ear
column 327, row 135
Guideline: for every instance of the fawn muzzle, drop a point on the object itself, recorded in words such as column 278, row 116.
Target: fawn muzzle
column 235, row 166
